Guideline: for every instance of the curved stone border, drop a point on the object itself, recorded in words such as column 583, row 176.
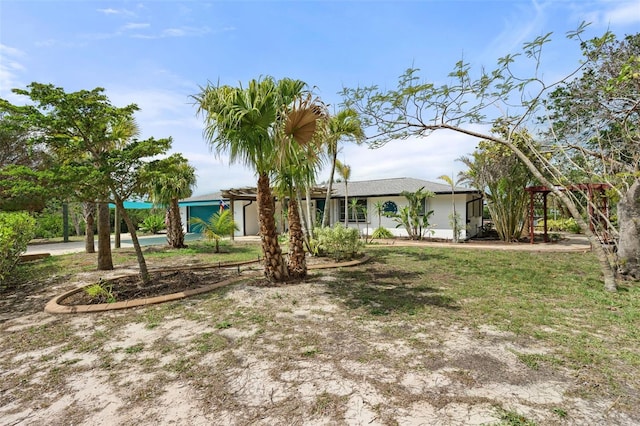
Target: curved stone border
column 54, row 306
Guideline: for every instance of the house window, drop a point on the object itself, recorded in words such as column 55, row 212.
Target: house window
column 361, row 210
column 389, row 208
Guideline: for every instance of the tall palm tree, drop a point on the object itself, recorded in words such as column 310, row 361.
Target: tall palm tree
column 345, row 125
column 245, row 123
column 344, row 171
column 298, row 164
column 173, row 178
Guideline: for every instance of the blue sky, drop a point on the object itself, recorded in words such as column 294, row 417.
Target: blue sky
column 158, row 53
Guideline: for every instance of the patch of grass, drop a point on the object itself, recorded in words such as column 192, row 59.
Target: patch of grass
column 223, row 325
column 137, row 348
column 209, row 342
column 512, row 418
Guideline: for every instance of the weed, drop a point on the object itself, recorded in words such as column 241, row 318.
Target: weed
column 101, row 292
column 512, row 418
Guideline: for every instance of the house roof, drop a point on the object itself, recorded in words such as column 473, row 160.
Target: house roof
column 393, row 186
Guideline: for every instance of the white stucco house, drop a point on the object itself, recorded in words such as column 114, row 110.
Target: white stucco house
column 468, row 204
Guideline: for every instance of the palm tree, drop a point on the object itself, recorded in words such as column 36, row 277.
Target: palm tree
column 345, row 125
column 173, row 178
column 299, row 158
column 219, row 224
column 455, row 218
column 246, row 123
column 344, row 171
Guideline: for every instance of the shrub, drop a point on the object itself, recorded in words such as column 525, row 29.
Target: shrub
column 563, row 225
column 380, row 233
column 338, row 242
column 48, row 225
column 16, row 230
column 152, row 224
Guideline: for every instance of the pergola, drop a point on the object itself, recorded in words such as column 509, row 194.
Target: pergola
column 595, row 193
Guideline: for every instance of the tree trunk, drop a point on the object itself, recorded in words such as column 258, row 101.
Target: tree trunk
column 327, row 198
column 346, row 204
column 274, row 266
column 297, row 261
column 142, row 264
column 105, row 261
column 88, row 212
column 175, row 234
column 629, row 241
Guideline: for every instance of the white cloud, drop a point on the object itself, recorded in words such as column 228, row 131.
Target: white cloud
column 136, row 26
column 622, row 13
column 111, row 11
column 10, row 69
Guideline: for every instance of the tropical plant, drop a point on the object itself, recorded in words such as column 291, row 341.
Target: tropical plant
column 412, row 217
column 152, row 224
column 171, row 179
column 502, row 177
column 454, row 218
column 345, row 125
column 219, row 225
column 344, row 171
column 381, row 233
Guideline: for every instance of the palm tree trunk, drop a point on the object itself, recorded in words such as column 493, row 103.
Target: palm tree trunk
column 297, row 263
column 274, row 265
column 142, row 264
column 89, row 211
column 346, row 205
column 327, row 198
column 105, row 261
column 175, row 235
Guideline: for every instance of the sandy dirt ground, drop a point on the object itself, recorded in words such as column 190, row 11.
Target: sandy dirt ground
column 290, row 355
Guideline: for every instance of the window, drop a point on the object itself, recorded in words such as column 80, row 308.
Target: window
column 389, row 208
column 361, row 207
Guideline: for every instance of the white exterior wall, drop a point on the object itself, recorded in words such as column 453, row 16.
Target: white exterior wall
column 440, row 204
column 183, row 218
column 245, row 214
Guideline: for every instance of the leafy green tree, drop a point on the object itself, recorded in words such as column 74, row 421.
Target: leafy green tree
column 246, row 123
column 94, row 141
column 171, row 179
column 343, row 126
column 595, row 134
column 219, row 224
column 417, row 108
column 502, row 177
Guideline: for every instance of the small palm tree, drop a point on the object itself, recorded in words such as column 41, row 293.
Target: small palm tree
column 344, row 171
column 173, row 178
column 218, row 225
column 455, row 217
column 345, row 125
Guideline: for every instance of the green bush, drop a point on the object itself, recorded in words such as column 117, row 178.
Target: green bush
column 152, row 224
column 338, row 242
column 48, row 225
column 16, row 230
column 563, row 225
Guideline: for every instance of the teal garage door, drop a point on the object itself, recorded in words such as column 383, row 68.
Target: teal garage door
column 202, row 212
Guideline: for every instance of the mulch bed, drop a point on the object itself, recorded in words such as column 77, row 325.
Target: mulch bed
column 162, row 283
